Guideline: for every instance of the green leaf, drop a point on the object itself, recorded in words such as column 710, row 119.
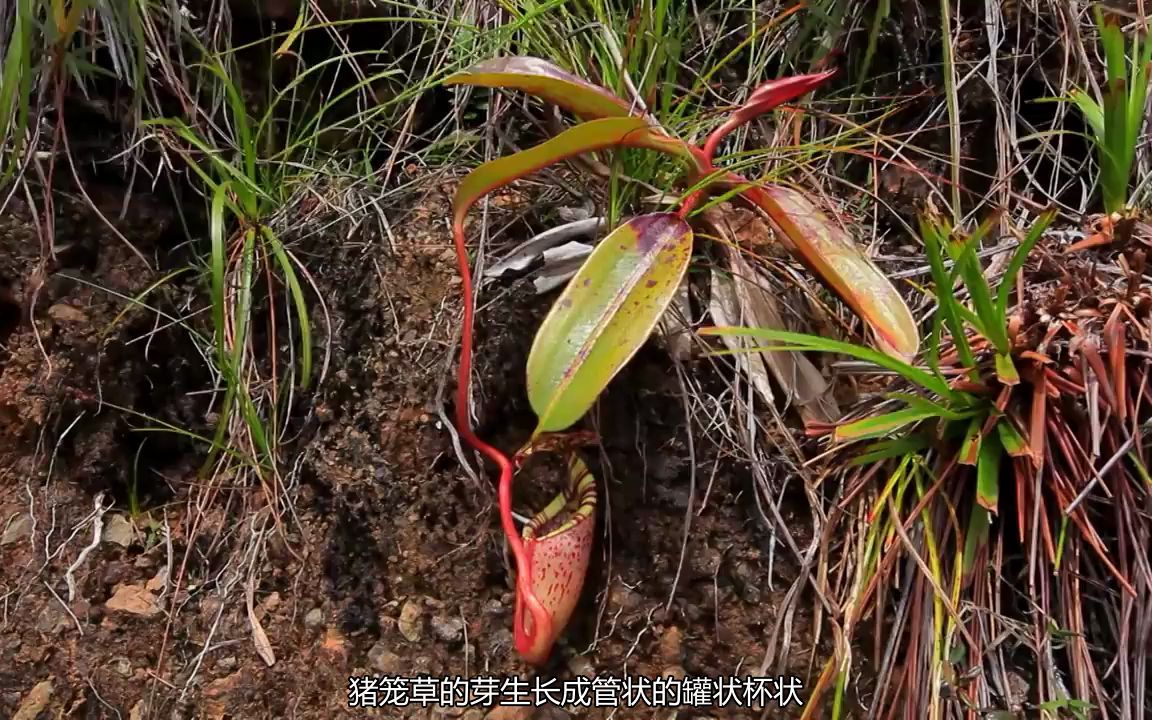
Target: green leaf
column 941, row 411
column 1008, row 284
column 965, row 253
column 299, row 302
column 586, row 137
column 546, row 81
column 891, row 448
column 979, row 523
column 880, row 425
column 815, row 343
column 831, row 254
column 933, row 235
column 1011, row 439
column 988, row 472
column 1092, row 112
column 1006, row 369
column 604, row 315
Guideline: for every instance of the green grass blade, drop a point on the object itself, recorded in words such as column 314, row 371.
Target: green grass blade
column 1008, row 284
column 923, row 403
column 1092, row 111
column 934, row 241
column 217, row 260
column 891, row 448
column 967, row 260
column 1011, row 439
column 970, row 446
column 815, row 343
column 979, row 523
column 296, row 292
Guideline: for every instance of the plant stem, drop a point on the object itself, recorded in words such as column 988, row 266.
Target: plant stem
column 541, row 621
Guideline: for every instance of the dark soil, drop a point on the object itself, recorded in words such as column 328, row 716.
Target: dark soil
column 394, row 563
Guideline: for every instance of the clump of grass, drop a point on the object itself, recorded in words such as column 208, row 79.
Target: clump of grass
column 991, row 523
column 1117, row 118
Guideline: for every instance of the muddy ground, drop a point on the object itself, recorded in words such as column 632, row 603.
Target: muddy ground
column 394, row 562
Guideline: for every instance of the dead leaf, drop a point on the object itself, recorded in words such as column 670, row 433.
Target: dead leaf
column 537, row 247
column 560, row 264
column 35, row 701
column 216, row 705
column 675, row 326
column 133, row 599
column 65, row 313
column 259, row 637
column 740, row 299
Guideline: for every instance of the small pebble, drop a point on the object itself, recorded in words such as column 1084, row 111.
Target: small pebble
column 314, row 618
column 411, row 622
column 122, row 666
column 581, row 666
column 384, row 660
column 448, row 629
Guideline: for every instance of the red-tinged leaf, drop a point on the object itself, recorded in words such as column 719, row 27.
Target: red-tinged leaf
column 546, row 81
column 605, row 315
column 988, row 472
column 825, row 247
column 766, row 97
column 1037, row 420
column 1092, row 355
column 586, row 137
column 558, row 544
column 1114, row 332
column 970, row 447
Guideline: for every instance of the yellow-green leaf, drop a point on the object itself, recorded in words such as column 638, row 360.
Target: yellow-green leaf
column 546, row 81
column 881, row 425
column 827, row 249
column 1006, row 369
column 604, row 315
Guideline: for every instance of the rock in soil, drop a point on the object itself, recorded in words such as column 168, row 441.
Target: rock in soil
column 35, row 701
column 314, row 618
column 133, row 599
column 384, row 660
column 411, row 622
column 18, row 529
column 448, row 629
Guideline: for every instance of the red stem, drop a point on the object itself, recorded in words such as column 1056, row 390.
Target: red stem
column 709, row 152
column 541, row 621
